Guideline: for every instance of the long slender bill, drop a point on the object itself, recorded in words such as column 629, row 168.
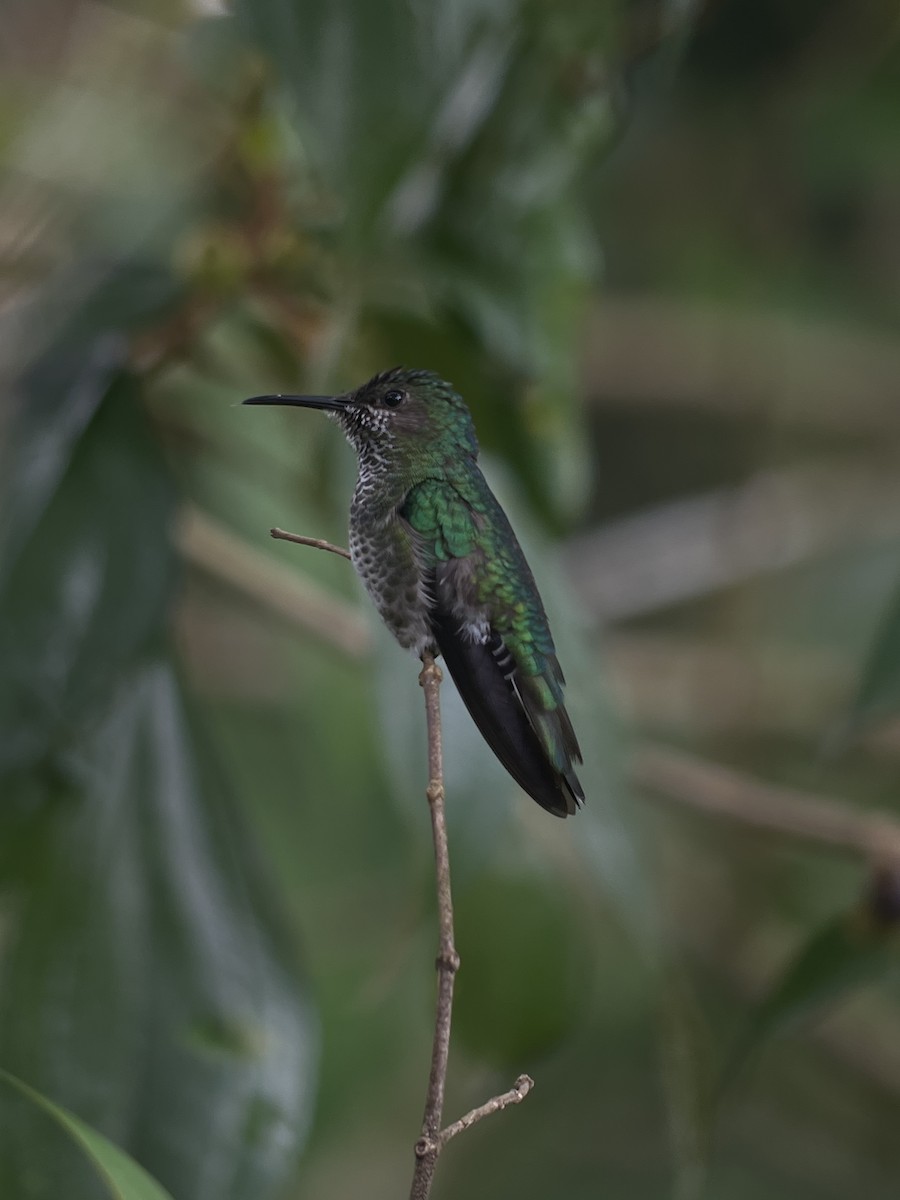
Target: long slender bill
column 329, row 403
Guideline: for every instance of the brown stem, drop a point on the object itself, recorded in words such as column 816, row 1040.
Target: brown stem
column 515, row 1095
column 316, row 543
column 428, row 1147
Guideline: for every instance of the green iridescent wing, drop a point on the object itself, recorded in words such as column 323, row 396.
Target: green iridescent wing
column 491, row 628
column 444, row 521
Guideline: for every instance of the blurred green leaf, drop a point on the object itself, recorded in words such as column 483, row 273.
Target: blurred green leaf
column 521, row 942
column 854, row 949
column 59, row 400
column 145, row 984
column 454, row 198
column 125, row 1180
column 90, row 310
column 367, row 81
column 684, row 1062
column 85, row 587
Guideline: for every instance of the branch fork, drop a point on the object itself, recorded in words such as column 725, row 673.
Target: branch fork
column 515, row 1095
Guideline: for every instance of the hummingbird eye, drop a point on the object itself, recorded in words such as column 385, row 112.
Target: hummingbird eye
column 392, row 398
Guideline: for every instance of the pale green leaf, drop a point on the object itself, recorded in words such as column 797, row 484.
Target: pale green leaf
column 123, row 1177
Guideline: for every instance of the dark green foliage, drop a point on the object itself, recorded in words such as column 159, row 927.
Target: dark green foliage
column 852, row 950
column 144, row 981
column 97, row 553
column 525, row 988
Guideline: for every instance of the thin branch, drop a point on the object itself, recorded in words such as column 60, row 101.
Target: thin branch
column 721, row 792
column 428, row 1147
column 515, row 1095
column 433, row 1139
column 860, row 1037
column 316, row 543
column 208, row 545
column 699, row 544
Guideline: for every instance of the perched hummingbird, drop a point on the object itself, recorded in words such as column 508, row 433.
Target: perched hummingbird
column 438, row 556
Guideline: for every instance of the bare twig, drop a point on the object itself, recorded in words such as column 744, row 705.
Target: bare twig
column 213, row 548
column 428, row 1147
column 316, row 543
column 722, row 792
column 699, row 544
column 515, row 1095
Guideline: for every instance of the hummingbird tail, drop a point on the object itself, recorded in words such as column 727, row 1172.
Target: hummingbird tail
column 495, row 708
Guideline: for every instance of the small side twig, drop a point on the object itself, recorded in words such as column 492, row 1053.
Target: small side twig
column 212, row 548
column 316, row 543
column 515, row 1095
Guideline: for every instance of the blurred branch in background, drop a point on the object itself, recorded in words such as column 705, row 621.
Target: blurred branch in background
column 651, row 352
column 691, row 547
column 784, row 812
column 213, row 548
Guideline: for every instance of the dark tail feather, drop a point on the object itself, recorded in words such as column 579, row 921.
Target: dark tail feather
column 496, row 710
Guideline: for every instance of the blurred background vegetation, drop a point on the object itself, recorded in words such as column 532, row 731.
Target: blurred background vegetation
column 656, row 244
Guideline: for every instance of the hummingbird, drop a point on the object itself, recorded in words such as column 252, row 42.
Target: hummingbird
column 438, row 556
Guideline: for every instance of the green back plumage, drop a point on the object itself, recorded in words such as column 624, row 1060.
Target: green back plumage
column 458, row 517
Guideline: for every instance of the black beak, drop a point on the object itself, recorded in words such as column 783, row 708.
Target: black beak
column 329, row 403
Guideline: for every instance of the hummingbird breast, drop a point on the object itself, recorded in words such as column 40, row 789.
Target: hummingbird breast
column 386, row 561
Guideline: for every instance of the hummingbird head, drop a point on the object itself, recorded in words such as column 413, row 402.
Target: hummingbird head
column 404, row 420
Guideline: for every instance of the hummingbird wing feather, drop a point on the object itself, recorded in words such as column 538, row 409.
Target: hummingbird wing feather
column 495, row 708
column 490, row 627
